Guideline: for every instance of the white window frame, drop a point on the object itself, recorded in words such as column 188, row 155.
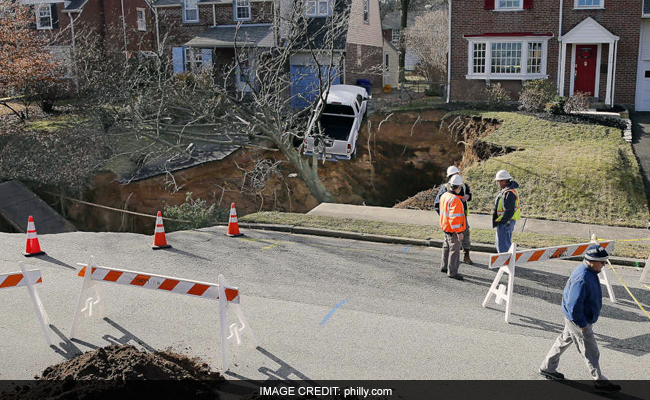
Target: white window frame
column 237, row 4
column 393, row 39
column 37, row 13
column 142, row 22
column 366, row 11
column 524, row 75
column 192, row 65
column 185, row 9
column 316, row 4
column 497, row 6
column 577, row 6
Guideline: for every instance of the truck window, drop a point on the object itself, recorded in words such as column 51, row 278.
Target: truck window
column 338, row 109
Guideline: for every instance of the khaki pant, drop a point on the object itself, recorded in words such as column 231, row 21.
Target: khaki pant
column 585, row 341
column 467, row 246
column 450, row 254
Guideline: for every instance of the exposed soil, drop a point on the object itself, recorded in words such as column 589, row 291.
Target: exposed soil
column 466, row 131
column 101, row 374
column 398, row 155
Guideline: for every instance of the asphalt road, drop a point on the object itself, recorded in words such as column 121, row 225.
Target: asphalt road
column 397, row 316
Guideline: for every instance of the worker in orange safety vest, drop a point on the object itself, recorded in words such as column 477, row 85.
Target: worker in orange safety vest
column 453, row 224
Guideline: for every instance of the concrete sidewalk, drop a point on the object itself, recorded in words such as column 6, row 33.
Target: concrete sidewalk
column 430, row 218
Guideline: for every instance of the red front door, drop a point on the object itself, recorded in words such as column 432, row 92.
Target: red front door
column 585, row 79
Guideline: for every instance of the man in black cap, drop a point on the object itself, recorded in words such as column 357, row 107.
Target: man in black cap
column 581, row 303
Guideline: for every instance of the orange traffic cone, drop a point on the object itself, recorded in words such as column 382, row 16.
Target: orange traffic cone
column 33, row 248
column 159, row 241
column 233, row 224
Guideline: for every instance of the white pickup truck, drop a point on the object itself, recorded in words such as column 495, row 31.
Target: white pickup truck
column 340, row 121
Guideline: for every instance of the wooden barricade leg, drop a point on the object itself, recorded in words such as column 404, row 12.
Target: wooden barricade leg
column 38, row 305
column 602, row 277
column 232, row 333
column 645, row 270
column 87, row 302
column 499, row 290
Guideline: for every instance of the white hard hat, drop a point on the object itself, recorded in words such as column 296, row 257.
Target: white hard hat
column 452, row 170
column 503, row 175
column 456, row 180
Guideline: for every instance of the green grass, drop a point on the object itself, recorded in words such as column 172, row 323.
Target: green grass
column 54, row 123
column 485, row 236
column 566, row 172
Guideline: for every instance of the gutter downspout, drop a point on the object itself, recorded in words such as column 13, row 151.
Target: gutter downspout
column 560, row 55
column 449, row 58
column 614, row 71
column 124, row 27
column 155, row 13
column 74, row 54
column 214, row 15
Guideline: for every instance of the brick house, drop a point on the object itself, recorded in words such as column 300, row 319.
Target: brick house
column 201, row 34
column 63, row 21
column 590, row 46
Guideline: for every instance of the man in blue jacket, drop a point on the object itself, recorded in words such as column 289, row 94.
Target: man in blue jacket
column 581, row 303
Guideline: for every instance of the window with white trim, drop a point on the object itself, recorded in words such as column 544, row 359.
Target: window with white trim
column 534, row 65
column 509, row 4
column 190, row 11
column 395, row 37
column 479, row 58
column 193, row 59
column 507, row 58
column 242, row 10
column 589, row 4
column 43, row 16
column 366, row 11
column 142, row 20
column 318, row 8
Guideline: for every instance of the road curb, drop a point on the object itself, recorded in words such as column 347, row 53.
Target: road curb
column 301, row 230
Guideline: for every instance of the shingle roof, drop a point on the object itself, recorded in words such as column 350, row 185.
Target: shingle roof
column 225, row 36
column 75, row 5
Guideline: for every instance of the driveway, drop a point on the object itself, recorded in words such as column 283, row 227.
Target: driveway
column 641, row 146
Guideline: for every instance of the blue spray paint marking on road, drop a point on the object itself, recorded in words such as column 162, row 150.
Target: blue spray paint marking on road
column 407, row 247
column 332, row 312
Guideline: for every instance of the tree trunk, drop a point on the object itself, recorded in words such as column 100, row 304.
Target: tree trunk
column 402, row 45
column 309, row 174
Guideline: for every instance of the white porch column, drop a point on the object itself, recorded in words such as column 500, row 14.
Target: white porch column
column 614, row 71
column 610, row 73
column 562, row 68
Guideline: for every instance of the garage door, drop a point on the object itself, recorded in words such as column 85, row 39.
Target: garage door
column 642, row 102
column 304, row 83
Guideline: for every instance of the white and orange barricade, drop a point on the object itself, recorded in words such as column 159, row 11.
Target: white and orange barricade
column 506, row 262
column 91, row 297
column 28, row 279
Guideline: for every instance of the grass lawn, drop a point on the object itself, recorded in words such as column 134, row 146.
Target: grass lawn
column 566, row 171
column 486, row 236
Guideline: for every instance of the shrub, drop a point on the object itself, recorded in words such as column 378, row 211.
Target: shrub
column 556, row 106
column 578, row 102
column 536, row 94
column 498, row 97
column 196, row 212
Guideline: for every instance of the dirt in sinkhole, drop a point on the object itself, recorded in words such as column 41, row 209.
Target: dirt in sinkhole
column 398, row 156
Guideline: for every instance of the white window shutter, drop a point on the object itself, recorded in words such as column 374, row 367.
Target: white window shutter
column 179, row 65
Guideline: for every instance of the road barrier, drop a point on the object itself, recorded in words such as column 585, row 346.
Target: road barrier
column 506, row 263
column 644, row 273
column 17, row 279
column 91, row 297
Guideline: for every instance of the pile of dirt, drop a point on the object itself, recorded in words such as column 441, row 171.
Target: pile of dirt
column 103, row 374
column 421, row 201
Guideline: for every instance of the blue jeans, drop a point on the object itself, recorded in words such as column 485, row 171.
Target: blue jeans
column 504, row 236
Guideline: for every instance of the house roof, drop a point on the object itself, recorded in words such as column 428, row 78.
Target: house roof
column 589, row 31
column 387, row 43
column 75, row 6
column 174, row 3
column 225, row 37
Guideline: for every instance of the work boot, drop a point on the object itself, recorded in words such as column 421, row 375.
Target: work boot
column 554, row 376
column 466, row 259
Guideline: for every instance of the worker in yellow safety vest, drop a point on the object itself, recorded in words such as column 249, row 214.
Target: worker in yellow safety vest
column 453, row 224
column 507, row 210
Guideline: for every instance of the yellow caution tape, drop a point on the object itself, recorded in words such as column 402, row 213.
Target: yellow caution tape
column 623, row 240
column 628, row 290
column 646, row 286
